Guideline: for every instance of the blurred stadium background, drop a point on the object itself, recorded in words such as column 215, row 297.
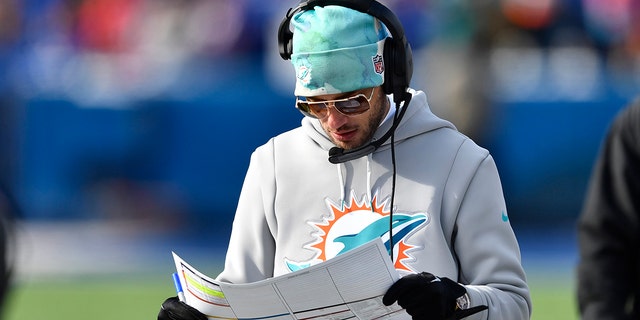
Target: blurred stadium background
column 126, row 127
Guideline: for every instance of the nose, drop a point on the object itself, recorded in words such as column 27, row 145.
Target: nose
column 334, row 118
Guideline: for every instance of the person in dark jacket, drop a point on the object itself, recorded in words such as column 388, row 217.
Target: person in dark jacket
column 608, row 271
column 8, row 212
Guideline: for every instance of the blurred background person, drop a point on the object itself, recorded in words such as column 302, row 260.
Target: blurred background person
column 609, row 226
column 8, row 213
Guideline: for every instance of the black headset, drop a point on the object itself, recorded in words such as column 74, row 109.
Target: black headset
column 397, row 58
column 397, row 54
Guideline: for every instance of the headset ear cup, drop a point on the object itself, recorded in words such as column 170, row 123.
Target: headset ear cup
column 398, row 67
column 389, row 65
column 407, row 64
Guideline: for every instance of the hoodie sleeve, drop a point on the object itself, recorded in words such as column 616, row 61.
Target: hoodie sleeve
column 251, row 247
column 484, row 242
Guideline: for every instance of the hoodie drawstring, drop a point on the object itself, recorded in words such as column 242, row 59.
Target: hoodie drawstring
column 339, row 167
column 369, row 159
column 342, row 185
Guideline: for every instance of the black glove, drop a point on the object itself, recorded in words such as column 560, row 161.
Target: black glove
column 174, row 309
column 427, row 297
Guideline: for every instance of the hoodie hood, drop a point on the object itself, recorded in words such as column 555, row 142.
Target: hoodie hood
column 418, row 119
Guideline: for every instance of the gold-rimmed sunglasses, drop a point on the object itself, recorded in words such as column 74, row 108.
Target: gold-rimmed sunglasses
column 351, row 106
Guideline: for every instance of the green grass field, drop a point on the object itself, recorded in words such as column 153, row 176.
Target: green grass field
column 553, row 300
column 123, row 298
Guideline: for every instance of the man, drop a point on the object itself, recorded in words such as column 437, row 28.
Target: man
column 395, row 172
column 609, row 226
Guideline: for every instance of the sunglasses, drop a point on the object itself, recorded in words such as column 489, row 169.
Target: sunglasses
column 351, row 106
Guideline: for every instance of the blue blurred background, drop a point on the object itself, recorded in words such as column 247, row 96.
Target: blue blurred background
column 135, row 119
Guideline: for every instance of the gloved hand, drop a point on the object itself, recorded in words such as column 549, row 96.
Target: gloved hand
column 174, row 309
column 427, row 297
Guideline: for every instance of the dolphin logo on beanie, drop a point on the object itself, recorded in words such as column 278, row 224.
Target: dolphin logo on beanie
column 336, row 50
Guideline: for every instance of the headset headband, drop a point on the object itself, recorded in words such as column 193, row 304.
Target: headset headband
column 397, row 58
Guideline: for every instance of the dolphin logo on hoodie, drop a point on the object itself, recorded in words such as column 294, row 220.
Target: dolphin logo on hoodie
column 355, row 224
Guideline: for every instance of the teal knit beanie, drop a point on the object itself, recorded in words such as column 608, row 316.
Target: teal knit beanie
column 336, row 50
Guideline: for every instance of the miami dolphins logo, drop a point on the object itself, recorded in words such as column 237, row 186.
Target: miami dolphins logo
column 304, row 74
column 358, row 222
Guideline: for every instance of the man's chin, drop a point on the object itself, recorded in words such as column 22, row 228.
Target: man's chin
column 347, row 146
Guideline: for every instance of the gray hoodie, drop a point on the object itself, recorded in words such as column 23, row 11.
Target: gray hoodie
column 297, row 209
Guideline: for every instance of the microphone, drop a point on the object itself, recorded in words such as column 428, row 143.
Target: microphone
column 339, row 155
